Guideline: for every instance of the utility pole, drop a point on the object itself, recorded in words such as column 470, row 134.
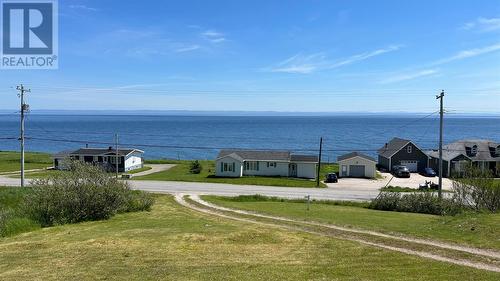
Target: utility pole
column 319, row 161
column 24, row 108
column 441, row 112
column 116, row 155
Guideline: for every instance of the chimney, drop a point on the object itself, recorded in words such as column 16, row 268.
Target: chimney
column 86, row 145
column 386, row 145
column 110, row 148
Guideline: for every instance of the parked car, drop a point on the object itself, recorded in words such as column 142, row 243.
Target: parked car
column 331, row 177
column 401, row 171
column 429, row 172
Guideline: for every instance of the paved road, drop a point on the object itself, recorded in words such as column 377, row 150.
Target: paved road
column 171, row 187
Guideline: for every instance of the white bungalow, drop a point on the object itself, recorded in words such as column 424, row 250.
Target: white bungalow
column 128, row 159
column 238, row 163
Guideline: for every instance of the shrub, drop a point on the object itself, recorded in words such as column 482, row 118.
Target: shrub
column 477, row 190
column 83, row 193
column 422, row 202
column 195, row 167
column 136, row 201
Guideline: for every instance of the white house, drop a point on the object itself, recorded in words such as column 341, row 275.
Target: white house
column 128, row 159
column 238, row 163
column 357, row 165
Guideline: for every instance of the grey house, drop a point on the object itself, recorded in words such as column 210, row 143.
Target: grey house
column 484, row 154
column 402, row 152
column 127, row 159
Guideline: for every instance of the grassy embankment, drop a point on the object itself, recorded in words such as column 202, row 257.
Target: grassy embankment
column 9, row 161
column 181, row 173
column 172, row 242
column 479, row 230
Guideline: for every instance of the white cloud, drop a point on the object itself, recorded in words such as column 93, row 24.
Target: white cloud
column 483, row 24
column 409, row 76
column 213, row 36
column 188, row 48
column 305, row 64
column 468, row 54
column 83, row 7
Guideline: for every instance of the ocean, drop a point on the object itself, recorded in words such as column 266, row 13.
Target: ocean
column 201, row 137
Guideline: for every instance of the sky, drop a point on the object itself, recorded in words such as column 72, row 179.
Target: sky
column 291, row 56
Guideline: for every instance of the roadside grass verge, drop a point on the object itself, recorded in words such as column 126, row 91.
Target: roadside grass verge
column 10, row 161
column 174, row 243
column 12, row 218
column 474, row 229
column 180, row 172
column 143, row 169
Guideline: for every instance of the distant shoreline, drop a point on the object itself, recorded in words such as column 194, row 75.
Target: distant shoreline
column 188, row 113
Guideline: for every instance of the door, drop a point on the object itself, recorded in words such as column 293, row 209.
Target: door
column 412, row 165
column 292, row 170
column 357, row 171
column 343, row 171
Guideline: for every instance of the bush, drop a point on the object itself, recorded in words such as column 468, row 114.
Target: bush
column 84, row 193
column 136, row 201
column 195, row 167
column 477, row 190
column 422, row 202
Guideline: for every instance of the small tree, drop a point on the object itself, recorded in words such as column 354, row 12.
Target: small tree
column 477, row 189
column 195, row 167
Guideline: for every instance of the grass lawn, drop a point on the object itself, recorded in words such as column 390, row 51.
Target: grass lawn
column 143, row 169
column 10, row 161
column 11, row 219
column 181, row 173
column 486, row 227
column 174, row 243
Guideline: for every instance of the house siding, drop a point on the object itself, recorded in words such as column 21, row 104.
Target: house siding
column 306, row 170
column 281, row 169
column 369, row 166
column 237, row 164
column 384, row 162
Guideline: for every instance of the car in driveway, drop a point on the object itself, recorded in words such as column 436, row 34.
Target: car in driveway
column 331, row 177
column 401, row 171
column 429, row 172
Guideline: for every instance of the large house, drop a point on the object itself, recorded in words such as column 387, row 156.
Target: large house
column 357, row 165
column 238, row 163
column 128, row 159
column 484, row 154
column 402, row 152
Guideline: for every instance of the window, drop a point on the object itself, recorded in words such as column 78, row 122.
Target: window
column 409, row 149
column 96, row 159
column 113, row 160
column 105, row 159
column 473, row 151
column 227, row 167
column 498, row 150
column 252, row 165
column 271, row 164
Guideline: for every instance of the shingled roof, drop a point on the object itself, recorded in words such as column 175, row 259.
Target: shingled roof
column 100, row 151
column 486, row 150
column 266, row 155
column 355, row 154
column 393, row 146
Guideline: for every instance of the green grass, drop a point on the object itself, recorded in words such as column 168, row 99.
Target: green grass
column 12, row 219
column 10, row 161
column 174, row 243
column 479, row 230
column 181, row 173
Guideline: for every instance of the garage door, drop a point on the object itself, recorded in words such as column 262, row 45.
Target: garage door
column 357, row 170
column 410, row 164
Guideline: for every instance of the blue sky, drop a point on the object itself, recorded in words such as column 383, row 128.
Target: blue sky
column 311, row 56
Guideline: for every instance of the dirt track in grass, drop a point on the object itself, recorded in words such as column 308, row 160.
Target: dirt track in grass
column 430, row 249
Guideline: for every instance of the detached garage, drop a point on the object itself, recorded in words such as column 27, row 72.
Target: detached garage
column 356, row 165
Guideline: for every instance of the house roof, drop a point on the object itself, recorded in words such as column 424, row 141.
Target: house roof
column 393, row 146
column 355, row 154
column 266, row 155
column 486, row 150
column 98, row 151
column 303, row 158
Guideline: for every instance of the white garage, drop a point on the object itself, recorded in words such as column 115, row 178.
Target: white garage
column 412, row 165
column 356, row 165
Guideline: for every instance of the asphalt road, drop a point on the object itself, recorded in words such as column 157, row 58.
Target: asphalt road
column 171, row 187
